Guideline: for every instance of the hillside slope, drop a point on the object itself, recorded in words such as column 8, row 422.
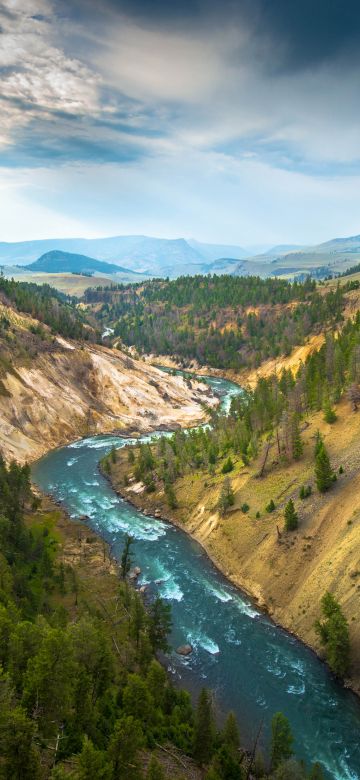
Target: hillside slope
column 61, row 389
column 287, row 573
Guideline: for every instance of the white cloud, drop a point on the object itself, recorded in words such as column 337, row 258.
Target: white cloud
column 38, row 78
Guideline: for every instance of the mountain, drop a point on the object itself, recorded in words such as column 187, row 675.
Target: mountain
column 59, row 262
column 213, row 252
column 156, row 256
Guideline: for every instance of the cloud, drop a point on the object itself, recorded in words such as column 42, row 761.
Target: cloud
column 37, row 80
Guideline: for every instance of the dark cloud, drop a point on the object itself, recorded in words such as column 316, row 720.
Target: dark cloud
column 297, row 33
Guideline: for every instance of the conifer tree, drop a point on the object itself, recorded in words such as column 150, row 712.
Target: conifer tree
column 323, row 470
column 230, row 734
column 155, row 770
column 226, row 498
column 204, row 732
column 296, row 442
column 333, row 631
column 291, row 517
column 281, row 740
column 126, row 557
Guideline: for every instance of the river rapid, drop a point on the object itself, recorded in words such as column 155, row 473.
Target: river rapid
column 253, row 667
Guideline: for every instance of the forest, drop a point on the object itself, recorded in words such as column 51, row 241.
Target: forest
column 221, row 321
column 46, row 305
column 83, row 696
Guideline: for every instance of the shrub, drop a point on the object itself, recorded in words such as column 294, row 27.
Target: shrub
column 245, row 508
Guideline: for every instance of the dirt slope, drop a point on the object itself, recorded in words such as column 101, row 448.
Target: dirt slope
column 79, row 390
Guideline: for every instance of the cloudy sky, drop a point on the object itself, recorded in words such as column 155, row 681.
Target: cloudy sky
column 232, row 121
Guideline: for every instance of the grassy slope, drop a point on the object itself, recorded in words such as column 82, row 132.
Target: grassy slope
column 288, row 575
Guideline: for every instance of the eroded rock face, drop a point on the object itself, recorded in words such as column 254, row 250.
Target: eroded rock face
column 84, row 390
column 185, row 650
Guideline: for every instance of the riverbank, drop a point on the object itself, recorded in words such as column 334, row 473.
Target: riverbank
column 286, row 574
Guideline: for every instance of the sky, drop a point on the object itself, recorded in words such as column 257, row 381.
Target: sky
column 235, row 121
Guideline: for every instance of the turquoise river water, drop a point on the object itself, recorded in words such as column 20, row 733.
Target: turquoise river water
column 253, row 666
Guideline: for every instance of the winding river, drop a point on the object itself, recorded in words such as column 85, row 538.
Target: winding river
column 253, row 667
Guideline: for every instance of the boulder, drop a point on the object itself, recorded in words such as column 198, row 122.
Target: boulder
column 184, row 650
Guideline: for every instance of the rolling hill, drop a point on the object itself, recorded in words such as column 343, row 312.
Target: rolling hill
column 57, row 261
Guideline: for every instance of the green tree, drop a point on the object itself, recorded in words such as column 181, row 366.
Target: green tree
column 291, row 517
column 204, row 731
column 323, row 470
column 160, row 625
column 113, row 454
column 296, row 442
column 126, row 557
column 93, row 764
column 230, row 733
column 155, row 770
column 281, row 739
column 333, row 631
column 227, row 466
column 226, row 497
column 330, row 415
column 126, row 741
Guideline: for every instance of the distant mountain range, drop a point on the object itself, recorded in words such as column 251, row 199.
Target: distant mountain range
column 156, row 256
column 173, row 257
column 57, row 261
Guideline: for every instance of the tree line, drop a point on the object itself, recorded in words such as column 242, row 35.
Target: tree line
column 221, row 321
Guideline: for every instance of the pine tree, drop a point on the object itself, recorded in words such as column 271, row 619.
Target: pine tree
column 204, row 732
column 230, row 734
column 333, row 631
column 226, row 498
column 126, row 557
column 155, row 770
column 291, row 517
column 113, row 454
column 93, row 763
column 281, row 740
column 323, row 470
column 296, row 442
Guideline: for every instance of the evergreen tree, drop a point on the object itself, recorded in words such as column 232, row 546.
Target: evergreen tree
column 126, row 741
column 113, row 454
column 230, row 733
column 204, row 731
column 291, row 517
column 126, row 557
column 323, row 470
column 160, row 625
column 226, row 498
column 333, row 631
column 155, row 770
column 296, row 442
column 93, row 763
column 281, row 739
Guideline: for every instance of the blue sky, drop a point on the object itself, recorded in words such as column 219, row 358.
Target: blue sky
column 233, row 121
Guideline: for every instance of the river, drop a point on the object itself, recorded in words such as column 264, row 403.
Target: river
column 253, row 667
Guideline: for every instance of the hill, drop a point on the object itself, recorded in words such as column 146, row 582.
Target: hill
column 220, row 321
column 57, row 261
column 58, row 383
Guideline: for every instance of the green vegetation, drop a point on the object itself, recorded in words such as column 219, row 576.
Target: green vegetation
column 291, row 517
column 226, row 497
column 221, row 321
column 323, row 471
column 47, row 305
column 281, row 740
column 333, row 631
